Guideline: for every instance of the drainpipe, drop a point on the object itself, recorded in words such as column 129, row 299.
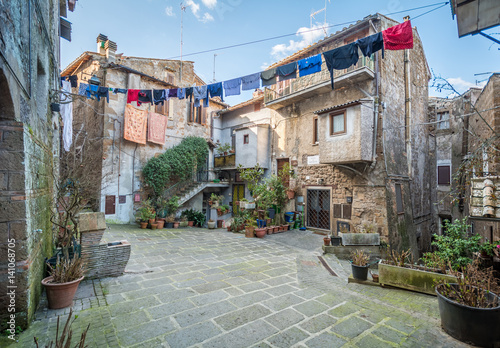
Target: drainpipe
column 377, row 102
column 407, row 106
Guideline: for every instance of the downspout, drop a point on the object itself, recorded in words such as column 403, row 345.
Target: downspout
column 377, row 101
column 407, row 107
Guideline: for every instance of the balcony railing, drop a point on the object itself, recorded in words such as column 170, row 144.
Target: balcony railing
column 228, row 161
column 285, row 88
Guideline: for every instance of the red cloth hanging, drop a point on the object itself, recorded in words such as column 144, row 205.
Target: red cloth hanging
column 398, row 37
column 133, row 95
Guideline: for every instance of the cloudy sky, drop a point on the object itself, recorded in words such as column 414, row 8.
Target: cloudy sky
column 151, row 28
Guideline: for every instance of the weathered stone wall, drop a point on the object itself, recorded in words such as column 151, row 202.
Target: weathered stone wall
column 29, row 149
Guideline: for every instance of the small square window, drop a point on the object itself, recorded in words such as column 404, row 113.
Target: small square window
column 337, row 123
column 443, row 119
column 444, row 175
column 246, row 139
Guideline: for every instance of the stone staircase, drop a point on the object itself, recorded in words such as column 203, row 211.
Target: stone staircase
column 191, row 190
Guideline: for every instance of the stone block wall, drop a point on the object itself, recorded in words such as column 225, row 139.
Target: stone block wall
column 106, row 260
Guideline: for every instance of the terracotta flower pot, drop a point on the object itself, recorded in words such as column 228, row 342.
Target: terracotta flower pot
column 327, row 241
column 60, row 295
column 249, row 230
column 269, row 230
column 290, row 194
column 154, row 226
column 176, row 225
column 160, row 224
column 144, row 224
column 190, row 223
column 260, row 232
column 276, row 229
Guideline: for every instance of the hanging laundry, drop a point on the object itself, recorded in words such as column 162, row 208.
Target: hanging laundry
column 92, row 91
column 199, row 93
column 172, row 93
column 215, row 90
column 250, row 82
column 73, row 79
column 134, row 126
column 189, row 92
column 371, row 44
column 287, row 71
column 268, row 77
column 309, row 65
column 67, row 115
column 232, row 87
column 103, row 92
column 181, row 93
column 157, row 124
column 133, row 95
column 119, row 90
column 82, row 89
column 145, row 96
column 159, row 96
column 398, row 37
column 341, row 58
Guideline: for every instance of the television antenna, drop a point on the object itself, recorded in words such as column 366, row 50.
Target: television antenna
column 313, row 14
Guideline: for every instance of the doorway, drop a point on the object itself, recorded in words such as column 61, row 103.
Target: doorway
column 318, row 208
column 238, row 194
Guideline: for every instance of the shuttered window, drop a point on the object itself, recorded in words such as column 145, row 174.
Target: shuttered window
column 444, row 175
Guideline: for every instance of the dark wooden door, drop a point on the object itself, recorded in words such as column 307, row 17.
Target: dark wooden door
column 110, row 205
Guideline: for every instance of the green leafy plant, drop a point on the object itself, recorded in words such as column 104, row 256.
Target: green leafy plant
column 216, row 199
column 359, row 258
column 198, row 218
column 172, row 205
column 146, row 211
column 221, row 149
column 487, row 249
column 175, row 164
column 401, row 258
column 252, row 176
column 455, row 247
column 224, row 208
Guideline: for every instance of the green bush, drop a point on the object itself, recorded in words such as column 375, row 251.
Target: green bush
column 175, row 164
column 456, row 247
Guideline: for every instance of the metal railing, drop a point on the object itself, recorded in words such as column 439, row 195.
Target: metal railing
column 199, row 176
column 282, row 89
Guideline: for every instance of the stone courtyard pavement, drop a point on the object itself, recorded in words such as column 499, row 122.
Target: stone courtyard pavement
column 213, row 288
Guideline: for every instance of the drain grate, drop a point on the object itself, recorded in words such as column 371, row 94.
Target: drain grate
column 328, row 268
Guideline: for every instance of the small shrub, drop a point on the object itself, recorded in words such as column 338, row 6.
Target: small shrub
column 360, row 258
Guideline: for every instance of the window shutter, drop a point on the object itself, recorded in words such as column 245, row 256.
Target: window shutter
column 346, row 211
column 190, row 111
column 337, row 211
column 203, row 116
column 443, row 175
column 399, row 199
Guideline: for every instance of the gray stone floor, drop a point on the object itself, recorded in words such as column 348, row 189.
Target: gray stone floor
column 212, row 288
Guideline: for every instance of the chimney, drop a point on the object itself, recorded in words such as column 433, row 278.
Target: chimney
column 101, row 39
column 110, row 47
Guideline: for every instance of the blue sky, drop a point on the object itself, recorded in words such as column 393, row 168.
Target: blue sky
column 151, row 28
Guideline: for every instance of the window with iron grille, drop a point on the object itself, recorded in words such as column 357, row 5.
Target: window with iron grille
column 444, row 175
column 318, row 208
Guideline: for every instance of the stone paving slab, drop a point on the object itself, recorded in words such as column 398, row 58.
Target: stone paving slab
column 211, row 288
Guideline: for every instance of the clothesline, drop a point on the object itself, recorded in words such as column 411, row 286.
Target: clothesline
column 397, row 37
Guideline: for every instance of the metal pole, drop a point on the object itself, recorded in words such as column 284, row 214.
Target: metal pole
column 183, row 8
column 215, row 55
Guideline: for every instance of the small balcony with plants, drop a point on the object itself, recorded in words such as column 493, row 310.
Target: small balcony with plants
column 225, row 157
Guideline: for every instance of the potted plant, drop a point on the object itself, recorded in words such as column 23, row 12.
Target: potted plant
column 63, row 281
column 222, row 149
column 470, row 308
column 327, row 240
column 145, row 213
column 215, row 200
column 211, row 224
column 189, row 214
column 176, row 224
column 169, row 221
column 184, row 222
column 154, row 225
column 172, row 205
column 359, row 264
column 199, row 218
column 250, row 228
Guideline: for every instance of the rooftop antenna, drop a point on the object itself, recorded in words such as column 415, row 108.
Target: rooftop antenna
column 317, row 12
column 183, row 9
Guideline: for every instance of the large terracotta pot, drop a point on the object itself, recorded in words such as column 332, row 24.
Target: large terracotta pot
column 190, row 223
column 60, row 295
column 176, row 224
column 260, row 232
column 144, row 224
column 249, row 231
column 160, row 223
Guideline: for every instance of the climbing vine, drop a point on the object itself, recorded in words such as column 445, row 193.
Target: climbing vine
column 175, row 164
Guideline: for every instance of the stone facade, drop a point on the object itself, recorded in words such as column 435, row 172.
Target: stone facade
column 121, row 161
column 29, row 151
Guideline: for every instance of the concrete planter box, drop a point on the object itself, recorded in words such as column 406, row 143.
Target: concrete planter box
column 360, row 239
column 91, row 227
column 411, row 279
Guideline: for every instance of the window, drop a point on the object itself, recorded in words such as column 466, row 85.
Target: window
column 197, row 114
column 337, row 123
column 163, row 109
column 444, row 175
column 315, row 130
column 342, row 211
column 246, row 139
column 443, row 119
column 170, row 78
column 399, row 199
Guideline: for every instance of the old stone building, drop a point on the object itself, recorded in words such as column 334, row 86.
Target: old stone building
column 118, row 161
column 361, row 150
column 29, row 151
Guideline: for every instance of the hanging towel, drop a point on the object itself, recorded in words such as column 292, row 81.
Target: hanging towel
column 371, row 44
column 232, row 87
column 133, row 95
column 398, row 37
column 172, row 93
column 74, row 80
column 103, row 92
column 268, row 77
column 287, row 71
column 215, row 90
column 145, row 96
column 341, row 58
column 309, row 65
column 181, row 93
column 82, row 89
column 119, row 90
column 92, row 91
column 199, row 93
column 156, row 128
column 159, row 96
column 135, row 122
column 67, row 115
column 250, row 82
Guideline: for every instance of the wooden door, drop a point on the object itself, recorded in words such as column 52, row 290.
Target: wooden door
column 280, row 164
column 110, row 205
column 238, row 194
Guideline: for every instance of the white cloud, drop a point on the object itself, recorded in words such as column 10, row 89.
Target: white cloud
column 209, row 3
column 169, row 11
column 461, row 85
column 194, row 7
column 307, row 37
column 207, row 17
column 264, row 66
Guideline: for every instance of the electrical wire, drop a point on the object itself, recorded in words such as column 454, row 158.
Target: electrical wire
column 310, row 30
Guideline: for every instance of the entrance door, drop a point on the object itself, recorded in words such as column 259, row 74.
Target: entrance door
column 110, row 205
column 318, row 208
column 280, row 164
column 238, row 194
